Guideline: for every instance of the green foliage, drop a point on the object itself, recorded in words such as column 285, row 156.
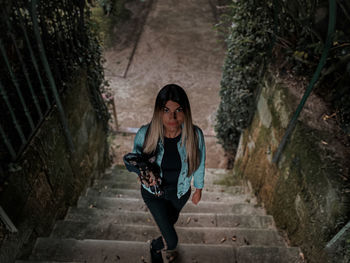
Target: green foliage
column 248, row 44
column 107, row 15
column 95, row 71
column 292, row 33
column 115, row 8
column 70, row 46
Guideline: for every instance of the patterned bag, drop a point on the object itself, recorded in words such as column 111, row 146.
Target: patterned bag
column 147, row 170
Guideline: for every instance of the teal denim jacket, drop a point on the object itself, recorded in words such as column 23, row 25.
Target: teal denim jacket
column 184, row 181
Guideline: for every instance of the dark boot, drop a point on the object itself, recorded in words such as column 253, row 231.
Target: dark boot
column 156, row 250
column 156, row 256
column 170, row 256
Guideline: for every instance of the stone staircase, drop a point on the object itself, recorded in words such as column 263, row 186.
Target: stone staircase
column 112, row 224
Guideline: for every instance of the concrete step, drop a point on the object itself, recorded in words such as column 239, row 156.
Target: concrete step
column 134, row 204
column 102, row 251
column 185, row 219
column 135, row 184
column 251, row 254
column 103, row 183
column 45, row 261
column 133, row 193
column 189, row 235
column 119, row 173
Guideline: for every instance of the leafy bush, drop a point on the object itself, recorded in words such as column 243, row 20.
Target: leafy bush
column 248, row 44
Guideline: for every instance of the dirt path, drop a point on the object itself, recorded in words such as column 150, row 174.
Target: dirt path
column 178, row 45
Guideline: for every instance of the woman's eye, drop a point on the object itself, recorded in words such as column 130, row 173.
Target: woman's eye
column 166, row 110
column 179, row 110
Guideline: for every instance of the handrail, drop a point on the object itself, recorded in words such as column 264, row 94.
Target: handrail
column 338, row 235
column 327, row 46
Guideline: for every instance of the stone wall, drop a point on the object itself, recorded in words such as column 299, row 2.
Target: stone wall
column 307, row 191
column 48, row 179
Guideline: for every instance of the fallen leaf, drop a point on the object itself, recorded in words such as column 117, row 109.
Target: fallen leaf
column 188, row 220
column 223, row 240
column 195, row 219
column 237, row 224
column 326, row 117
column 234, row 238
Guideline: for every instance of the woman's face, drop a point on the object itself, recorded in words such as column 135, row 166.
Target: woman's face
column 173, row 116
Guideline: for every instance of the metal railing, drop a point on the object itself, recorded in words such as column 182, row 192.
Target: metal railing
column 327, row 46
column 39, row 51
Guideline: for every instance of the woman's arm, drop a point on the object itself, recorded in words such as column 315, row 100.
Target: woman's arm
column 139, row 139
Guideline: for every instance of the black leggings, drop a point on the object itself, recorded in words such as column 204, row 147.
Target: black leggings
column 165, row 210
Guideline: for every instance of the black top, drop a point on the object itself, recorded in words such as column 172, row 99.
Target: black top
column 171, row 162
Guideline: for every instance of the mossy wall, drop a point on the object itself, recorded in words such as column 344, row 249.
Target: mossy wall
column 306, row 190
column 47, row 178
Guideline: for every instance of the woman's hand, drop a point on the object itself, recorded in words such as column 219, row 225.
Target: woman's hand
column 152, row 178
column 197, row 195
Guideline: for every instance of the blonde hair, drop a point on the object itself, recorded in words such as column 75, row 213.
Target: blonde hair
column 155, row 131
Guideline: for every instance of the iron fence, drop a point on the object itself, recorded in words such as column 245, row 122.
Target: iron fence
column 42, row 44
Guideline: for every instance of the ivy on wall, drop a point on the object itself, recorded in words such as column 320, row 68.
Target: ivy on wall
column 248, row 42
column 108, row 14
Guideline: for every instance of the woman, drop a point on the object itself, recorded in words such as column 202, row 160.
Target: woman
column 180, row 153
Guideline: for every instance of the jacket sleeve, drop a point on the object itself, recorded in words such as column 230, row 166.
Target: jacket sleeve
column 130, row 167
column 198, row 175
column 138, row 145
column 139, row 139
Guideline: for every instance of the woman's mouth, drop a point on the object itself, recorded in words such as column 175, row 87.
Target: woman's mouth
column 172, row 123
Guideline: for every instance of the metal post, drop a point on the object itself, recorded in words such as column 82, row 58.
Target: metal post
column 7, row 143
column 115, row 114
column 13, row 116
column 7, row 221
column 15, row 83
column 50, row 76
column 24, row 68
column 327, row 46
column 35, row 63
